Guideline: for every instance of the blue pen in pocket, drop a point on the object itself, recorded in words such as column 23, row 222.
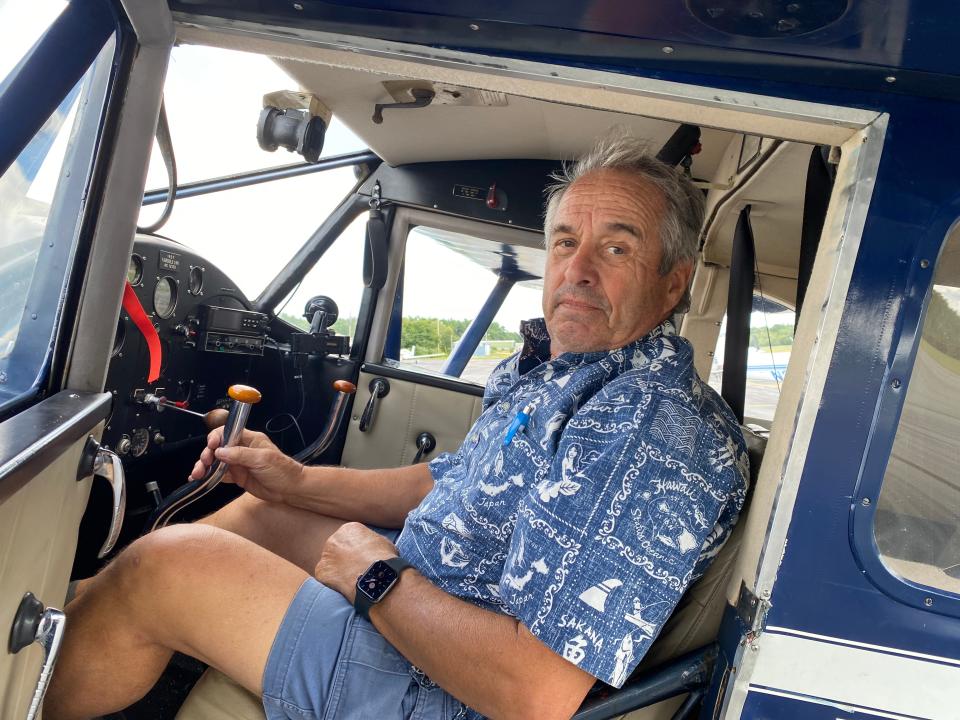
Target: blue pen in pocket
column 519, row 423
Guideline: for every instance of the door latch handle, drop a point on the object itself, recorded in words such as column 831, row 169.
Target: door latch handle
column 108, row 465
column 379, row 388
column 101, row 462
column 35, row 624
column 426, row 443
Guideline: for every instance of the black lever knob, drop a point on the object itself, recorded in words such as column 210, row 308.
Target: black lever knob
column 23, row 632
column 426, row 443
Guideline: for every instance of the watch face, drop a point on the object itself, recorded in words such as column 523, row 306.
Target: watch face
column 377, row 580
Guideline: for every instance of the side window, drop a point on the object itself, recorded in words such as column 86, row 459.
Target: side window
column 338, row 274
column 917, row 524
column 446, row 282
column 41, row 199
column 771, row 340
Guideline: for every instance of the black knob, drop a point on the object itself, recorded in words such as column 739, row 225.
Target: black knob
column 23, row 632
column 426, row 443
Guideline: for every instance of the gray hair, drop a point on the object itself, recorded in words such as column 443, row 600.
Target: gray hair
column 685, row 207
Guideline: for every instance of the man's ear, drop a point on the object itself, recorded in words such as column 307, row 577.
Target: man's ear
column 678, row 280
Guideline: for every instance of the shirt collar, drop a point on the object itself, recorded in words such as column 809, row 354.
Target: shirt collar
column 536, row 345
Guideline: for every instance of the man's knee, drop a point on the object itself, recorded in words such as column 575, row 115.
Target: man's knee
column 165, row 561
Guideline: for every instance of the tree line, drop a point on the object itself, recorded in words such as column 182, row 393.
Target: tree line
column 773, row 336
column 428, row 335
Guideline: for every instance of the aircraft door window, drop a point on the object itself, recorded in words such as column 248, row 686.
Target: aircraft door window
column 771, row 340
column 447, row 280
column 41, row 196
column 917, row 524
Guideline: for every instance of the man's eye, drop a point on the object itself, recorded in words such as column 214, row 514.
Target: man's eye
column 563, row 243
column 615, row 250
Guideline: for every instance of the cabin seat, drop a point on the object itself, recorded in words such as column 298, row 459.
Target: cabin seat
column 694, row 623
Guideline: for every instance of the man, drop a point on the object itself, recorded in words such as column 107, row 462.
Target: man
column 547, row 552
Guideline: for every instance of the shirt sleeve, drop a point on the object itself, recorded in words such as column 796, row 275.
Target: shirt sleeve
column 608, row 538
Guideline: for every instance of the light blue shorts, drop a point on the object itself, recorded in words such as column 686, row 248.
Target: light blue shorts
column 326, row 662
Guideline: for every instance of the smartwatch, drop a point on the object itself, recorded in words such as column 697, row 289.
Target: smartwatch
column 376, row 582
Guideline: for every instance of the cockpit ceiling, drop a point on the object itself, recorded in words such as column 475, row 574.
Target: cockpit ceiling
column 518, row 128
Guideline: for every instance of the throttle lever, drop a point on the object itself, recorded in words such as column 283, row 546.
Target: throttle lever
column 244, row 398
column 338, row 411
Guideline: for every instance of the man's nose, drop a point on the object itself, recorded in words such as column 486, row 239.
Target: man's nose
column 582, row 267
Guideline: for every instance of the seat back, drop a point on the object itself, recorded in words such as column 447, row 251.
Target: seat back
column 696, row 620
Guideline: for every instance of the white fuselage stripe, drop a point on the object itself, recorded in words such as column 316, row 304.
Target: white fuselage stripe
column 867, row 646
column 848, row 675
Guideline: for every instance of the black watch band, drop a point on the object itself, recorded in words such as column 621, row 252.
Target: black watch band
column 379, row 579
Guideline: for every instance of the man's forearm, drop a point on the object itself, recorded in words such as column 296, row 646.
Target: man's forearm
column 374, row 497
column 487, row 660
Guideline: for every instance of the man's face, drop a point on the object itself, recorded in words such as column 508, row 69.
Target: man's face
column 602, row 288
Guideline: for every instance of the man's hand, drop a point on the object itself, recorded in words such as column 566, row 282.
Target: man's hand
column 255, row 464
column 348, row 553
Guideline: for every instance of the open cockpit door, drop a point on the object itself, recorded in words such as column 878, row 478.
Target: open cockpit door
column 78, row 105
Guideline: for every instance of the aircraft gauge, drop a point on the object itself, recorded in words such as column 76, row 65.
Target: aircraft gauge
column 135, row 270
column 165, row 297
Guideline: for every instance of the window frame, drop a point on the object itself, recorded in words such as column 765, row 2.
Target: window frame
column 886, row 420
column 387, row 320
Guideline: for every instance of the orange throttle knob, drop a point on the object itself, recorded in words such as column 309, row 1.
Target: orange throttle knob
column 244, row 394
column 344, row 386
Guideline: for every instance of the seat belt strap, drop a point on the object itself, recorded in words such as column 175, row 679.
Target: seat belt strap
column 133, row 308
column 739, row 306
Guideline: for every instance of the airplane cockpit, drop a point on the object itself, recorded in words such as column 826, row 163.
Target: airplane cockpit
column 369, row 397
column 336, row 240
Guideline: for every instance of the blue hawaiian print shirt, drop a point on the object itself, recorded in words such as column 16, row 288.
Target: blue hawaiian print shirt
column 589, row 525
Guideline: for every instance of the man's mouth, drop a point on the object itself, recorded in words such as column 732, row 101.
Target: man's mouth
column 577, row 305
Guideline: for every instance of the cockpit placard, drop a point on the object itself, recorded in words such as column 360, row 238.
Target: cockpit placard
column 168, row 261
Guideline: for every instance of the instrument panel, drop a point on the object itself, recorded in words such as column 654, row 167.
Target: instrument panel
column 209, row 337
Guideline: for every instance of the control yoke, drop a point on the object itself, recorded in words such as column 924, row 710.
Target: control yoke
column 244, row 398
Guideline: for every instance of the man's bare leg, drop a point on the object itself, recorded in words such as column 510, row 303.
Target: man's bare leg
column 292, row 533
column 195, row 589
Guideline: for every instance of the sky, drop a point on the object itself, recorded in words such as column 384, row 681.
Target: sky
column 21, row 24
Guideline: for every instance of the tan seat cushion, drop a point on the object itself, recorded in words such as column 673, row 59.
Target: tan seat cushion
column 217, row 697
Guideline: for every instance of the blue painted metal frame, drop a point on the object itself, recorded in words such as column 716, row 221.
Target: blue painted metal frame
column 471, row 338
column 391, row 348
column 889, row 409
column 820, row 588
column 858, row 52
column 54, row 65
